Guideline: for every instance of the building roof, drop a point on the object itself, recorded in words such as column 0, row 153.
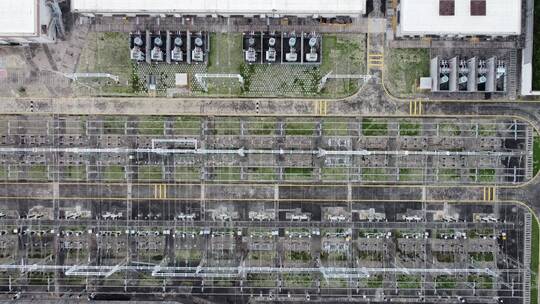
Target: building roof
column 19, row 17
column 222, row 7
column 470, row 17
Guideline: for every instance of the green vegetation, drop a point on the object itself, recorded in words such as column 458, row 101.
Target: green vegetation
column 114, row 173
column 150, row 172
column 374, row 127
column 188, row 255
column 334, row 283
column 225, row 53
column 227, row 173
column 445, row 282
column 114, row 125
column 266, row 256
column 481, row 256
column 342, row 54
column 228, row 126
column 335, row 127
column 333, row 256
column 261, row 173
column 375, row 281
column 262, row 126
column 262, row 279
column 340, row 174
column 3, row 172
column 187, row 173
column 296, row 173
column 403, row 69
column 187, row 125
column 108, row 53
column 409, row 281
column 536, row 49
column 374, row 174
column 76, row 172
column 370, row 255
column 481, row 282
column 536, row 152
column 409, row 128
column 449, row 175
column 303, row 256
column 411, row 175
column 486, row 175
column 535, row 243
column 302, row 280
column 38, row 172
column 449, row 129
column 299, row 128
column 444, row 257
column 151, row 126
column 487, row 130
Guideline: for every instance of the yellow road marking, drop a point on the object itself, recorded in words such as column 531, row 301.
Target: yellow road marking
column 160, row 191
column 415, row 108
column 489, row 194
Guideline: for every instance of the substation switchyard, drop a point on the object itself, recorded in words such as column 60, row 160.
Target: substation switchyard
column 262, row 209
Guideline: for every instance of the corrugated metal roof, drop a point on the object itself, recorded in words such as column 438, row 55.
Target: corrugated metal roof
column 18, row 17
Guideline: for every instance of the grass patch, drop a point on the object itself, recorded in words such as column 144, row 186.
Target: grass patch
column 409, row 128
column 108, row 53
column 303, row 256
column 374, row 127
column 481, row 256
column 375, row 281
column 187, row 125
column 449, row 129
column 486, row 175
column 410, row 175
column 151, row 126
column 114, row 125
column 341, row 174
column 263, row 126
column 38, row 172
column 334, row 127
column 449, row 175
column 227, row 173
column 225, row 53
column 408, row 282
column 487, row 130
column 536, row 48
column 535, row 243
column 299, row 128
column 403, row 69
column 114, row 173
column 261, row 173
column 302, row 280
column 3, row 172
column 481, row 282
column 76, row 172
column 536, row 153
column 374, row 174
column 296, row 173
column 262, row 279
column 150, row 172
column 445, row 282
column 230, row 126
column 186, row 173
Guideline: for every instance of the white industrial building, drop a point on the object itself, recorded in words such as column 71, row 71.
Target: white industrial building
column 459, row 17
column 248, row 8
column 29, row 21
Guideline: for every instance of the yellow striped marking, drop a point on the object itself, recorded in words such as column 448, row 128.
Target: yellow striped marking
column 375, row 60
column 160, row 191
column 416, row 108
column 321, row 107
column 489, row 194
